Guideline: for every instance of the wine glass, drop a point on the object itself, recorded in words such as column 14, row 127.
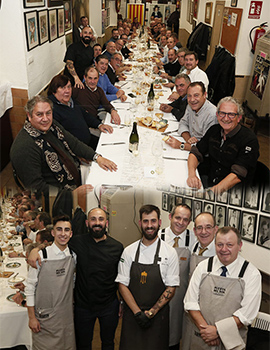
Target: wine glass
column 157, row 149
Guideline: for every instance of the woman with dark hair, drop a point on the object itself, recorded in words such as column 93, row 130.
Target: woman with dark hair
column 156, row 13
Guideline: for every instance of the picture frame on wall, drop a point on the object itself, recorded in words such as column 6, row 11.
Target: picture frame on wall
column 234, row 216
column 248, row 226
column 208, row 12
column 31, row 29
column 68, row 14
column 52, row 3
column 187, row 201
column 69, row 39
column 266, row 199
column 53, row 24
column 196, row 208
column 43, row 26
column 251, row 197
column 33, row 3
column 222, row 197
column 171, row 202
column 220, row 215
column 178, row 200
column 234, row 3
column 61, row 22
column 236, row 195
column 263, row 239
column 209, row 208
column 165, row 200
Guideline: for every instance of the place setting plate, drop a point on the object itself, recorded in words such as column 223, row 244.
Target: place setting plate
column 13, row 265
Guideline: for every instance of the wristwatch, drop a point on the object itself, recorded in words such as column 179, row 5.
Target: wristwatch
column 182, row 146
column 96, row 155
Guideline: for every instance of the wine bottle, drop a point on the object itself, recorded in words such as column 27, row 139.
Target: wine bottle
column 148, row 44
column 151, row 94
column 134, row 139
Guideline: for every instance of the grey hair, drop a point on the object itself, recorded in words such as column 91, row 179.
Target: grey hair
column 231, row 99
column 184, row 76
column 30, row 105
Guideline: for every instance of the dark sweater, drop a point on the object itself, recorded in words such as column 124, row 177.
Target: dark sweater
column 179, row 107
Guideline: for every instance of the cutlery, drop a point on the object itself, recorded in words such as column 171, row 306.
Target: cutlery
column 169, row 132
column 113, row 143
column 174, row 158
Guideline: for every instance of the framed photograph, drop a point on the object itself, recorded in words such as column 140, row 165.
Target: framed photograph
column 178, row 200
column 165, row 201
column 43, row 27
column 53, row 24
column 234, row 3
column 266, row 199
column 263, row 239
column 188, row 192
column 69, row 39
column 171, row 202
column 209, row 195
column 248, row 228
column 61, row 22
column 236, row 195
column 68, row 13
column 222, row 197
column 234, row 218
column 31, row 28
column 196, row 208
column 220, row 215
column 52, row 3
column 199, row 194
column 208, row 12
column 33, row 3
column 251, row 197
column 188, row 201
column 209, row 208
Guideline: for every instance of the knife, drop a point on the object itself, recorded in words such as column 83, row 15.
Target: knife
column 113, row 143
column 168, row 132
column 174, row 158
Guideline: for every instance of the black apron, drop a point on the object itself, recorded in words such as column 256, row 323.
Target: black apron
column 146, row 286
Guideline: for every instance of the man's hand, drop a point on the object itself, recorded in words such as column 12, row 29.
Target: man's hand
column 208, row 333
column 123, row 98
column 192, row 140
column 165, row 108
column 169, row 85
column 115, row 118
column 19, row 286
column 33, row 258
column 164, row 75
column 173, row 142
column 174, row 96
column 142, row 320
column 18, row 298
column 78, row 84
column 106, row 164
column 120, row 93
column 34, row 325
column 194, row 182
column 156, row 69
column 105, row 128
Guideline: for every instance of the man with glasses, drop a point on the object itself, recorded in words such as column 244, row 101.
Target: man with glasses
column 114, row 69
column 233, row 151
column 181, row 239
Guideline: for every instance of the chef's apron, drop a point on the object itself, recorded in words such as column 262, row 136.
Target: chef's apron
column 146, row 286
column 176, row 304
column 187, row 321
column 54, row 305
column 219, row 298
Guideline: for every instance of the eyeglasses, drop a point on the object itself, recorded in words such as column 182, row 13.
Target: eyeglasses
column 207, row 228
column 230, row 115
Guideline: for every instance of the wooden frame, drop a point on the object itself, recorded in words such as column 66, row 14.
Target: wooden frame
column 208, row 12
column 234, row 3
column 43, row 26
column 53, row 24
column 31, row 29
column 60, row 22
column 248, row 227
column 52, row 3
column 68, row 15
column 33, row 3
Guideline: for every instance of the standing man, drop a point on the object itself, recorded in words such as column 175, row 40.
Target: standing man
column 147, row 274
column 224, row 295
column 77, row 30
column 49, row 292
column 181, row 239
column 192, row 69
column 79, row 56
column 178, row 107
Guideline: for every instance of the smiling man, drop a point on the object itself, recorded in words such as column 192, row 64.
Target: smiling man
column 181, row 239
column 147, row 274
column 192, row 69
column 230, row 284
column 233, row 151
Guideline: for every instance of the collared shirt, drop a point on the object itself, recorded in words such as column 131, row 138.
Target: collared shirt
column 53, row 253
column 168, row 262
column 210, row 251
column 197, row 74
column 252, row 290
column 198, row 123
column 107, row 87
column 165, row 59
column 170, row 236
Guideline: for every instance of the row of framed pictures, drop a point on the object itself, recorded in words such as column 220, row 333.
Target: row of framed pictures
column 42, row 26
column 249, row 197
column 245, row 221
column 41, row 3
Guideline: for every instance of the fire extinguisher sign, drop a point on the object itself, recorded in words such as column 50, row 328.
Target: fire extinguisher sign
column 255, row 9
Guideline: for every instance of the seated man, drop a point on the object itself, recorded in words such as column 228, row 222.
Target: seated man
column 110, row 49
column 233, row 150
column 55, row 162
column 72, row 117
column 114, row 37
column 114, row 69
column 125, row 50
column 92, row 97
column 171, row 68
column 178, row 107
column 111, row 92
column 78, row 57
column 171, row 44
column 162, row 44
column 192, row 69
column 200, row 114
column 97, row 50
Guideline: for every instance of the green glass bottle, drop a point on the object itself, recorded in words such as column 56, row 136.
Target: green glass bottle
column 134, row 139
column 151, row 94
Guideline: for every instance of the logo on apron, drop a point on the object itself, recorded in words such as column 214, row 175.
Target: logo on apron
column 219, row 291
column 60, row 272
column 143, row 277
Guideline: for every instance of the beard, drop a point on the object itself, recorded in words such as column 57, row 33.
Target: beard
column 86, row 40
column 150, row 236
column 99, row 233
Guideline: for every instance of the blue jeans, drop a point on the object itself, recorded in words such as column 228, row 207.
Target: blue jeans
column 85, row 321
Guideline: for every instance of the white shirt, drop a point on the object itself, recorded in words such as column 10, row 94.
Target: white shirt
column 168, row 263
column 197, row 74
column 250, row 303
column 53, row 253
column 211, row 249
column 170, row 236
